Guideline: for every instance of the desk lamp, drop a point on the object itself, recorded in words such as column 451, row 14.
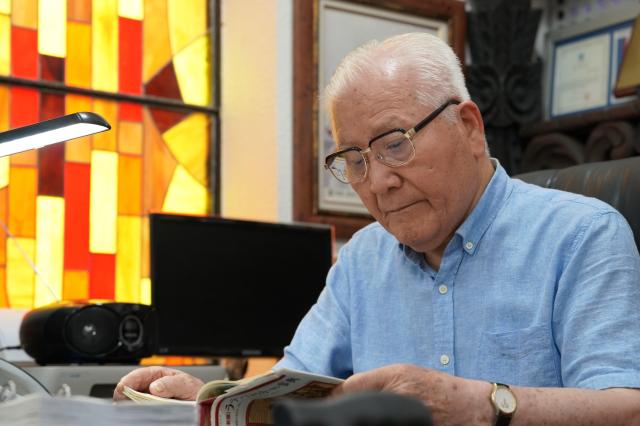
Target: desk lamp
column 48, row 132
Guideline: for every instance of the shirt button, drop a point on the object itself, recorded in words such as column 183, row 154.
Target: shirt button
column 443, row 289
column 468, row 245
column 444, row 360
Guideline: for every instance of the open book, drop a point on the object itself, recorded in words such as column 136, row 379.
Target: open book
column 248, row 402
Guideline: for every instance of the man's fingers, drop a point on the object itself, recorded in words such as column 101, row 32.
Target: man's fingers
column 140, row 379
column 179, row 386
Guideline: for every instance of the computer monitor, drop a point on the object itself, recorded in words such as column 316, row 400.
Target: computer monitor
column 225, row 287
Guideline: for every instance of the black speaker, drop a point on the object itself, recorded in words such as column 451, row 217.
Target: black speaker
column 89, row 333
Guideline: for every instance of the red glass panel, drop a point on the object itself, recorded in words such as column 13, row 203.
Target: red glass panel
column 77, row 184
column 24, row 52
column 102, row 276
column 51, row 68
column 165, row 119
column 24, row 106
column 130, row 50
column 164, row 84
column 51, row 158
column 130, row 112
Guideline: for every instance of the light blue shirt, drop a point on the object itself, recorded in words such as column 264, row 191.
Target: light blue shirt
column 538, row 287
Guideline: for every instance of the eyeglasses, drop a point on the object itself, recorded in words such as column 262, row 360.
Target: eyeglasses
column 393, row 148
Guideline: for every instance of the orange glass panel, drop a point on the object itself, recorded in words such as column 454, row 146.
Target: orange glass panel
column 79, row 10
column 4, row 108
column 22, row 201
column 76, row 285
column 78, row 72
column 106, row 141
column 3, row 235
column 159, row 165
column 129, row 185
column 4, row 296
column 25, row 13
column 104, row 39
column 156, row 45
column 78, row 150
column 20, row 276
column 189, row 143
column 5, row 44
column 27, row 158
column 130, row 138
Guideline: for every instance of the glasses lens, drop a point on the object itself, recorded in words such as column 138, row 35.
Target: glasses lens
column 348, row 166
column 394, row 149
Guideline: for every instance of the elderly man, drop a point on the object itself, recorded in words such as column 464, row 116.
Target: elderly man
column 492, row 300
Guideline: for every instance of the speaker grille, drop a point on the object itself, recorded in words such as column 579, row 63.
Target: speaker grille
column 93, row 330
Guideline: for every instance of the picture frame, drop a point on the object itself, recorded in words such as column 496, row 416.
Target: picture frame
column 583, row 62
column 628, row 77
column 317, row 50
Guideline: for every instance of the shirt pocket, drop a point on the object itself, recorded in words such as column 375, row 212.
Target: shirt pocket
column 525, row 357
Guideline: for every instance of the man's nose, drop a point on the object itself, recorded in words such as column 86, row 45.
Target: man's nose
column 381, row 177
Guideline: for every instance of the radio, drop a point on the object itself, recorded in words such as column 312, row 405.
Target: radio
column 70, row 332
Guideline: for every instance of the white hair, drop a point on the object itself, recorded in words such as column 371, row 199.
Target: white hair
column 437, row 68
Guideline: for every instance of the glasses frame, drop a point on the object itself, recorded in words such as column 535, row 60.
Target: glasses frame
column 408, row 134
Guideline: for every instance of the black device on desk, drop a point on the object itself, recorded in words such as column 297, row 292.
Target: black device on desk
column 224, row 287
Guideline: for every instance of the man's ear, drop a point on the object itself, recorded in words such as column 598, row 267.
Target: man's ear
column 472, row 126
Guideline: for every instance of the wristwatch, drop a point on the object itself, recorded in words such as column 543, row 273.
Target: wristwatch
column 504, row 402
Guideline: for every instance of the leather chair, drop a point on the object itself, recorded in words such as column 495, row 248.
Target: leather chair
column 616, row 182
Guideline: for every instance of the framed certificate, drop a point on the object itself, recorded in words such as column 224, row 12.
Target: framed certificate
column 583, row 63
column 324, row 32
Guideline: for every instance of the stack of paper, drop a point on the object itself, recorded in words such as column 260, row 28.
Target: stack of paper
column 38, row 410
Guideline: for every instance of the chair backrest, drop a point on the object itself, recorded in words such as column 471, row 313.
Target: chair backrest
column 615, row 182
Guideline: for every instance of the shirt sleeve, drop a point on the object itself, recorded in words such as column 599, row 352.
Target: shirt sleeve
column 322, row 342
column 597, row 307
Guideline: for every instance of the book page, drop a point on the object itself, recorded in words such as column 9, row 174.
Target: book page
column 147, row 398
column 250, row 404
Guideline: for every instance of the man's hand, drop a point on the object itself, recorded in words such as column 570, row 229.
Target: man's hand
column 160, row 381
column 451, row 400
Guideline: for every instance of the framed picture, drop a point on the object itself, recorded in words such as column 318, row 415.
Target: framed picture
column 324, row 32
column 583, row 62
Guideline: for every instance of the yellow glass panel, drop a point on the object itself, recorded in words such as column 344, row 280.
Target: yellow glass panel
column 130, row 138
column 78, row 150
column 132, row 9
column 145, row 267
column 106, row 141
column 129, row 185
column 76, row 285
column 128, row 259
column 193, row 72
column 52, row 28
column 103, row 203
column 78, row 63
column 22, row 201
column 187, row 21
column 20, row 274
column 24, row 13
column 188, row 141
column 145, row 291
column 4, row 299
column 5, row 6
column 104, row 14
column 156, row 47
column 49, row 249
column 185, row 194
column 4, row 171
column 5, row 46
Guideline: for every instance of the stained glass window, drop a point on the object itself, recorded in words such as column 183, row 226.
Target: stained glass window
column 77, row 213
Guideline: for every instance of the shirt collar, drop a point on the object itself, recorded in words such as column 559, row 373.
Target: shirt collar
column 482, row 215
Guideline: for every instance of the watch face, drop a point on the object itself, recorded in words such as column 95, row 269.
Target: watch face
column 505, row 400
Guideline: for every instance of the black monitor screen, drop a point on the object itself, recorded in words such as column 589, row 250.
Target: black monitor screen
column 233, row 287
